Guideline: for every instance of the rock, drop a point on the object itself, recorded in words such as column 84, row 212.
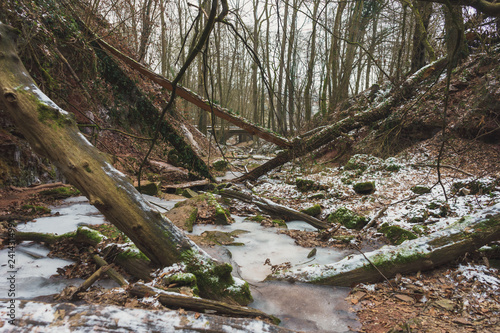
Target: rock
column 348, row 218
column 186, row 192
column 183, row 217
column 220, row 165
column 149, row 188
column 364, row 187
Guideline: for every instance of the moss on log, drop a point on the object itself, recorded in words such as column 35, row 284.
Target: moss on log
column 465, row 235
column 53, row 133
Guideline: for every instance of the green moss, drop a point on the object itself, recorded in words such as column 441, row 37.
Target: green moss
column 364, row 187
column 257, row 218
column 109, row 230
column 36, row 209
column 60, row 192
column 280, row 223
column 420, row 189
column 473, row 187
column 393, row 167
column 348, row 218
column 214, row 279
column 149, row 188
column 312, row 211
column 191, row 220
column 131, row 252
column 395, row 234
column 304, row 185
column 220, row 165
column 89, row 235
column 353, row 164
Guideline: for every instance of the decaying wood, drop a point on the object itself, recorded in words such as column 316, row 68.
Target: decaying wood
column 171, row 300
column 332, row 132
column 192, row 97
column 53, row 133
column 272, row 208
column 441, row 247
column 111, row 272
column 34, row 316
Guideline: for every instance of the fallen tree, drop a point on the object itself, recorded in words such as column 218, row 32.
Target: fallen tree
column 189, row 95
column 272, row 208
column 31, row 316
column 52, row 132
column 464, row 236
column 330, row 133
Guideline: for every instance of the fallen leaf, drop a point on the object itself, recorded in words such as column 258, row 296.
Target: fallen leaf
column 445, row 304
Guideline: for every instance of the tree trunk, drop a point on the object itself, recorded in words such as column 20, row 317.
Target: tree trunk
column 441, row 247
column 310, row 65
column 273, row 209
column 53, row 133
column 346, row 125
column 110, row 318
column 197, row 100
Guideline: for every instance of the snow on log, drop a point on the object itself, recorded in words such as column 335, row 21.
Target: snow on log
column 465, row 235
column 31, row 316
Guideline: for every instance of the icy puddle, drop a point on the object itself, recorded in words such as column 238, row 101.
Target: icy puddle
column 299, row 306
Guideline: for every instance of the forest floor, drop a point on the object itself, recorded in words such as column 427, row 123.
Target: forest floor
column 463, row 296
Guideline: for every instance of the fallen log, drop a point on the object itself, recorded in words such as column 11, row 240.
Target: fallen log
column 273, row 209
column 52, row 132
column 173, row 301
column 328, row 134
column 192, row 97
column 31, row 316
column 465, row 235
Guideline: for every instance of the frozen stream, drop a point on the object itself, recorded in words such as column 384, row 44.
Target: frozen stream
column 301, row 307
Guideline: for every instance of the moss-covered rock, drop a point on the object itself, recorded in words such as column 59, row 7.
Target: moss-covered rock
column 186, row 192
column 149, row 188
column 220, row 165
column 280, row 224
column 305, row 185
column 364, row 187
column 348, row 218
column 395, row 234
column 313, row 210
column 417, row 189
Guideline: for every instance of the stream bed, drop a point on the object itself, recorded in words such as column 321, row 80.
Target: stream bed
column 299, row 306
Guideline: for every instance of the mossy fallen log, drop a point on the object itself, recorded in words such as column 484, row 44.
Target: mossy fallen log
column 465, row 235
column 332, row 132
column 52, row 133
column 31, row 316
column 171, row 300
column 273, row 209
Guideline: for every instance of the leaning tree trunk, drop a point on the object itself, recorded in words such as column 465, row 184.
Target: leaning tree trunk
column 332, row 132
column 441, row 247
column 53, row 133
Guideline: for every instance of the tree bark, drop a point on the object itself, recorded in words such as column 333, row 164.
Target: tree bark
column 346, row 125
column 53, row 133
column 170, row 300
column 197, row 99
column 465, row 236
column 273, row 209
